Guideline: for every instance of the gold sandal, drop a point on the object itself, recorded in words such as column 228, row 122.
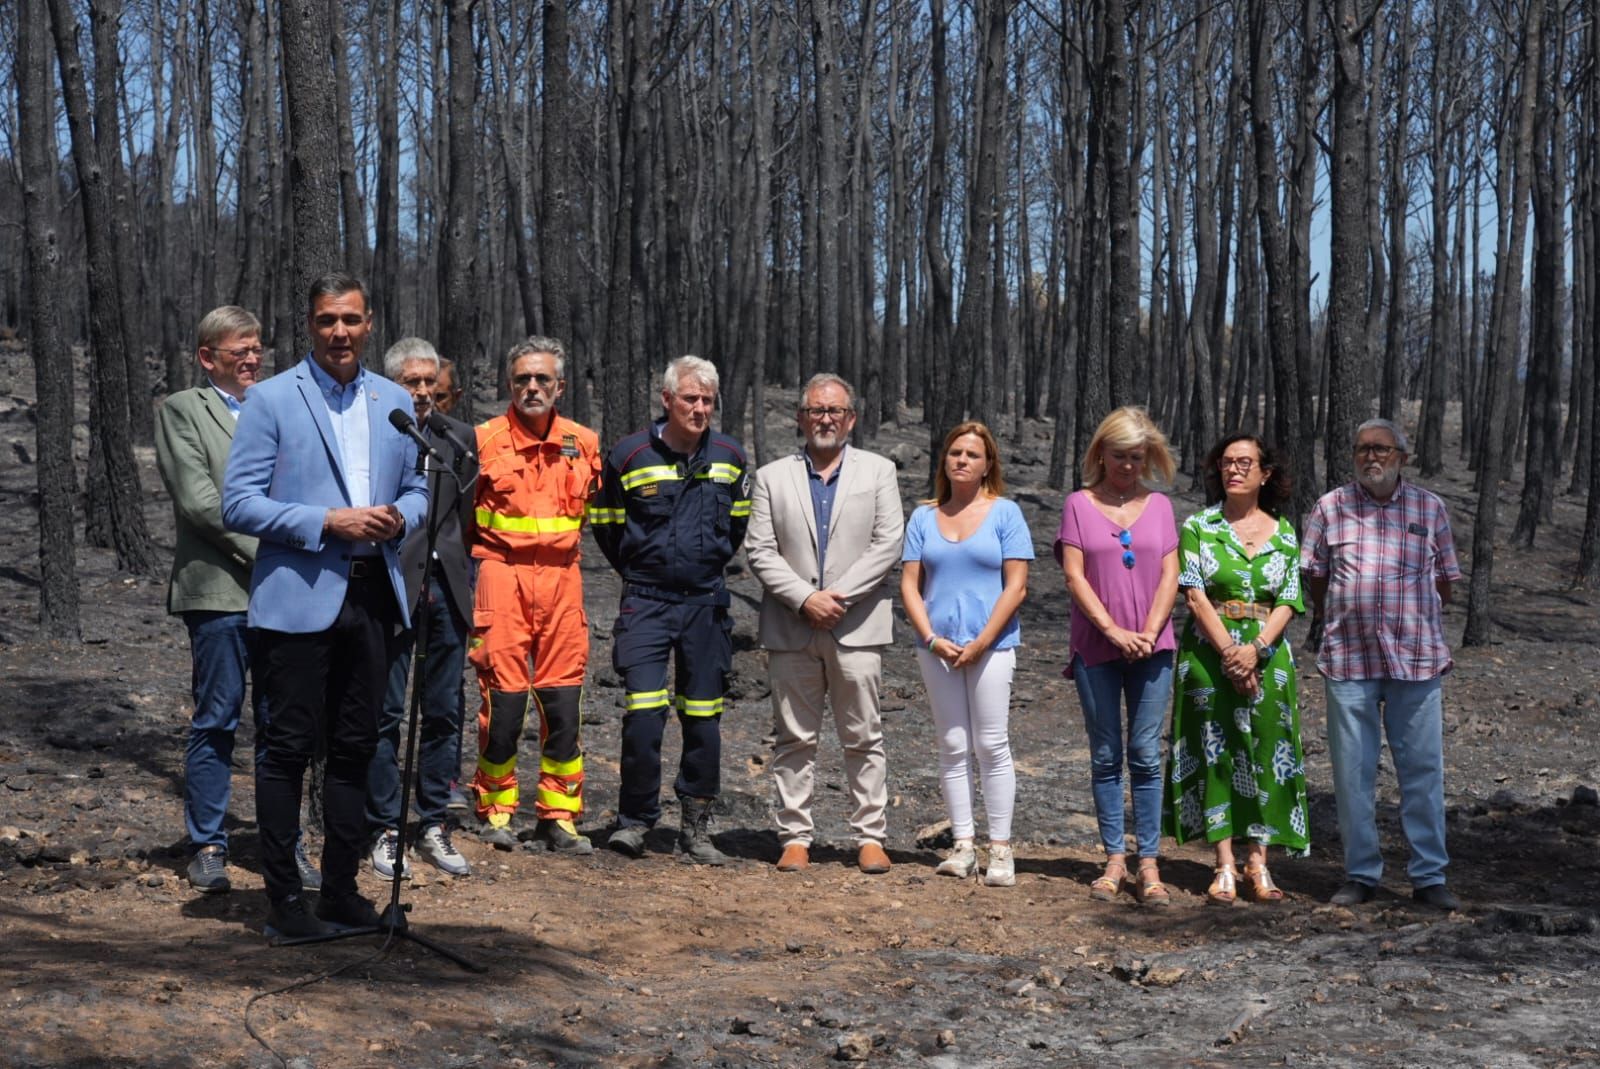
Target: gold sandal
column 1224, row 887
column 1258, row 881
column 1149, row 889
column 1105, row 887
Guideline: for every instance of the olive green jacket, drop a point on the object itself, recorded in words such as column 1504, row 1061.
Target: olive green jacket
column 210, row 565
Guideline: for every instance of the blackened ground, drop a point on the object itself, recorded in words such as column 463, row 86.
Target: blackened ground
column 107, row 958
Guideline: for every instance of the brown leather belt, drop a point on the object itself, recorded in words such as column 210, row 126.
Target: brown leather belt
column 1242, row 610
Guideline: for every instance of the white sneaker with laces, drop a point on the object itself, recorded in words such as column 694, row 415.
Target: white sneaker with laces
column 434, row 847
column 1002, row 870
column 384, row 849
column 962, row 862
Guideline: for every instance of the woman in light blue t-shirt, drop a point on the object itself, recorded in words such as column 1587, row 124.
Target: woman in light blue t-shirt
column 966, row 572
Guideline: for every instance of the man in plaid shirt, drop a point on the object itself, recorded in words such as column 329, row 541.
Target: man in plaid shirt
column 1379, row 561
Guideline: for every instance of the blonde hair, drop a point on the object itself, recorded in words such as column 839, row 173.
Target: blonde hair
column 1129, row 427
column 220, row 324
column 994, row 480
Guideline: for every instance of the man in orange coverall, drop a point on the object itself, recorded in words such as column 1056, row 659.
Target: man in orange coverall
column 537, row 471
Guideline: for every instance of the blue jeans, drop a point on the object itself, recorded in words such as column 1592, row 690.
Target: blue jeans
column 220, row 646
column 1146, row 686
column 438, row 722
column 1411, row 717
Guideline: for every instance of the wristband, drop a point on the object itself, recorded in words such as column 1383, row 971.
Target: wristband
column 928, row 643
column 1263, row 651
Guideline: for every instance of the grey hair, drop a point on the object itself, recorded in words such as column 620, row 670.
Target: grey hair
column 1401, row 442
column 827, row 378
column 408, row 349
column 690, row 367
column 222, row 323
column 539, row 343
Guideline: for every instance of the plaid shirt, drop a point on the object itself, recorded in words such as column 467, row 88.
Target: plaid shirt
column 1383, row 617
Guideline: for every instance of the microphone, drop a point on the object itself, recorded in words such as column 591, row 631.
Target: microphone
column 439, row 424
column 401, row 421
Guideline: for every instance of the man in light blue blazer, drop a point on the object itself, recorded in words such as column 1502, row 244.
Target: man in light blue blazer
column 329, row 487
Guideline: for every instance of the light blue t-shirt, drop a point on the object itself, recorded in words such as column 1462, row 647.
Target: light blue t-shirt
column 962, row 581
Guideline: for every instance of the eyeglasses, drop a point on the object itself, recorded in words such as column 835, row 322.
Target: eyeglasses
column 544, row 382
column 1377, row 452
column 1240, row 464
column 239, row 353
column 1126, row 541
column 830, row 411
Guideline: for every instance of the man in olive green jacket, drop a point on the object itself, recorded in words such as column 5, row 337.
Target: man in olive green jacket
column 210, row 585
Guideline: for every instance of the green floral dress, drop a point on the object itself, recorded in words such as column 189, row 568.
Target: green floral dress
column 1236, row 768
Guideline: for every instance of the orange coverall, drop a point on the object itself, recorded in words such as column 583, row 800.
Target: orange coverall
column 529, row 509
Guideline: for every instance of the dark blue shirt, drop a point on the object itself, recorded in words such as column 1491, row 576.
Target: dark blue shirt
column 822, row 493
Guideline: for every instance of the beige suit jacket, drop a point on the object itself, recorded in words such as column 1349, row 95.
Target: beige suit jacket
column 864, row 538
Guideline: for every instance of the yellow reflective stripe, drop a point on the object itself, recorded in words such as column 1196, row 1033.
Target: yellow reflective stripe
column 599, row 515
column 491, row 770
column 721, row 472
column 499, row 521
column 740, row 508
column 557, row 800
column 659, row 473
column 647, row 699
column 699, row 707
column 507, row 797
column 561, row 768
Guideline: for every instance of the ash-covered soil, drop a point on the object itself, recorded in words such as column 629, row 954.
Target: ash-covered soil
column 108, row 959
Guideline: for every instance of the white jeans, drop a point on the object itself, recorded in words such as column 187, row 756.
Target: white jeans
column 971, row 708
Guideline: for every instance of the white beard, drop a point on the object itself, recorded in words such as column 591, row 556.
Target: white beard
column 1381, row 485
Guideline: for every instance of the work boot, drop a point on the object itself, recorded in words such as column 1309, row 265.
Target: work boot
column 561, row 837
column 694, row 836
column 496, row 831
column 628, row 839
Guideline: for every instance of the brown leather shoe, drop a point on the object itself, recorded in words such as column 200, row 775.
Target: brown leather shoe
column 796, row 856
column 872, row 860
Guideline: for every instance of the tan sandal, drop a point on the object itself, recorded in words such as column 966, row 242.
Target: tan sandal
column 1106, row 886
column 1149, row 889
column 1259, row 885
column 1224, row 886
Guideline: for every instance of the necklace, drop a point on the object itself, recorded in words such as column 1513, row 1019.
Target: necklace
column 1247, row 529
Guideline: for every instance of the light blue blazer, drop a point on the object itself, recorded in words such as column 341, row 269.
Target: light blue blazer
column 284, row 473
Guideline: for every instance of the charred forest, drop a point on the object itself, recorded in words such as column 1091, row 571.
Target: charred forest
column 1284, row 215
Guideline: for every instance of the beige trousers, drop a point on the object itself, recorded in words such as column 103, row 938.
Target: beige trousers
column 804, row 681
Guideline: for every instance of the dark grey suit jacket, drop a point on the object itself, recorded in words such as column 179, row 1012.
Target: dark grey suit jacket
column 454, row 566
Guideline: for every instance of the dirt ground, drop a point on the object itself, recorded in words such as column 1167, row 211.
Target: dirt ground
column 107, row 958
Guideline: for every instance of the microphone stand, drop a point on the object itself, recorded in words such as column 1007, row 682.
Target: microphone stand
column 392, row 922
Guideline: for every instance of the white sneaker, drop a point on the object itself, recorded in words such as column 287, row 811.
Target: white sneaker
column 434, row 847
column 962, row 862
column 384, row 849
column 1002, row 870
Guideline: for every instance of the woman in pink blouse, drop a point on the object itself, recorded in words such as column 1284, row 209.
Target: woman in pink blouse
column 1118, row 546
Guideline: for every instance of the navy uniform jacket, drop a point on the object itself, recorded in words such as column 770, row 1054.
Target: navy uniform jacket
column 671, row 522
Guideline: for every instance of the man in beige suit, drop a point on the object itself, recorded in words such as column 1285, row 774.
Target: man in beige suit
column 825, row 530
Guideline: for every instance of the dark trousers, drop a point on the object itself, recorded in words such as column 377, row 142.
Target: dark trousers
column 438, row 721
column 699, row 641
column 326, row 685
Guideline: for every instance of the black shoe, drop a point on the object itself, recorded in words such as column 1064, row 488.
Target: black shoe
column 1437, row 896
column 349, row 911
column 1353, row 893
column 291, row 918
column 628, row 840
column 208, row 871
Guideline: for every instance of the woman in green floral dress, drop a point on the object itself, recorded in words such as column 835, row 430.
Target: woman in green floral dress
column 1236, row 769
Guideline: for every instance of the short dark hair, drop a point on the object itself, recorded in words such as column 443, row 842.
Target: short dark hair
column 1277, row 491
column 337, row 284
